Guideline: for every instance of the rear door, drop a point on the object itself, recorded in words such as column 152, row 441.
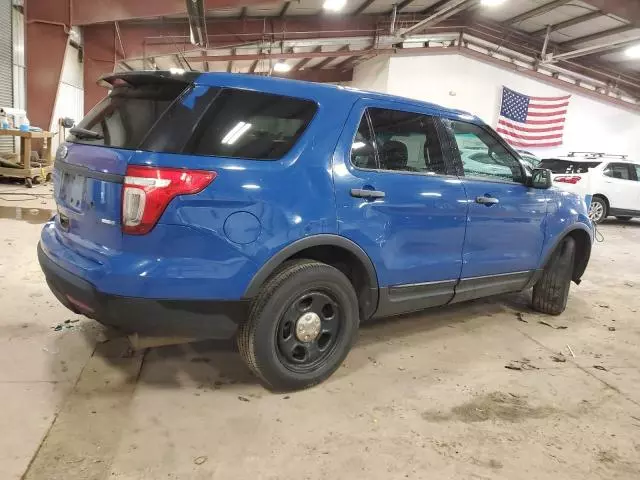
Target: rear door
column 400, row 200
column 506, row 219
column 620, row 186
column 91, row 166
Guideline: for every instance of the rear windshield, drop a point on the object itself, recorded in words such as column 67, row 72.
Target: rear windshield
column 125, row 117
column 559, row 166
column 210, row 121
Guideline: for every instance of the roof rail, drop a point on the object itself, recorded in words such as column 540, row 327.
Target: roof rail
column 596, row 155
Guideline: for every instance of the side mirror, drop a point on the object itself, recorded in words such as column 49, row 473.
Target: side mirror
column 541, row 178
column 68, row 122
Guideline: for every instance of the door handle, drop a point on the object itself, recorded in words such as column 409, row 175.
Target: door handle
column 488, row 201
column 368, row 194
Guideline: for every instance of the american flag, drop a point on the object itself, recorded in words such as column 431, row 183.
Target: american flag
column 532, row 122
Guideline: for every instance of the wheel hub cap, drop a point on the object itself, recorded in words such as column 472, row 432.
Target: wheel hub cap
column 308, row 327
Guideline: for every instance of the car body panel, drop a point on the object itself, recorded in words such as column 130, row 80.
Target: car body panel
column 423, row 241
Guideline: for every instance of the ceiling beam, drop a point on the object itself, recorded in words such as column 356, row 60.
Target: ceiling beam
column 343, row 52
column 595, row 49
column 436, row 15
column 301, row 64
column 627, row 9
column 322, row 76
column 541, row 10
column 254, row 65
column 404, row 4
column 86, row 12
column 363, row 6
column 283, row 11
column 570, row 23
column 328, row 60
column 598, row 36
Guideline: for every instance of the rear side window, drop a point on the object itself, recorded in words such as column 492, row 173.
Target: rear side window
column 251, row 125
column 559, row 166
column 125, row 117
column 404, row 141
column 621, row 171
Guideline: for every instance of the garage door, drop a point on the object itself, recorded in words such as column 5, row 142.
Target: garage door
column 6, row 66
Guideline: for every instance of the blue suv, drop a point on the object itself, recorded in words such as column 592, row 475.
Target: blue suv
column 288, row 212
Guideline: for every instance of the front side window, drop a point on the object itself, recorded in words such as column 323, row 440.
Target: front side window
column 251, row 125
column 483, row 155
column 637, row 167
column 620, row 171
column 405, row 142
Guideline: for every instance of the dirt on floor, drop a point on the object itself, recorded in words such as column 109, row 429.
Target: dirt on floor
column 483, row 390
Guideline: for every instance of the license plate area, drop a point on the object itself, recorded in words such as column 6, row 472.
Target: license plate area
column 72, row 191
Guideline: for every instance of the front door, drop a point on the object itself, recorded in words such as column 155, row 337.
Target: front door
column 400, row 201
column 506, row 219
column 621, row 189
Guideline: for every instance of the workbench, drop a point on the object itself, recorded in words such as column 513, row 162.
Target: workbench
column 25, row 170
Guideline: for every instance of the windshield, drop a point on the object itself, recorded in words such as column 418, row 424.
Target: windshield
column 558, row 166
column 125, row 117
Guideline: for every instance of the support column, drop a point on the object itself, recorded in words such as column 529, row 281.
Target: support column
column 46, row 39
column 100, row 57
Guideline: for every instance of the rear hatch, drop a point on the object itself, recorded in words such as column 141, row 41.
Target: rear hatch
column 91, row 166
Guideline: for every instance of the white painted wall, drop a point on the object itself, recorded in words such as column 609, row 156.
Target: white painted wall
column 70, row 98
column 467, row 84
column 372, row 75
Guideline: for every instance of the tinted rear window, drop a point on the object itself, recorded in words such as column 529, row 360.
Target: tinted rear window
column 127, row 114
column 251, row 125
column 558, row 166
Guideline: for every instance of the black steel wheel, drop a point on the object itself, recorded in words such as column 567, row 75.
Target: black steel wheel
column 301, row 326
column 308, row 331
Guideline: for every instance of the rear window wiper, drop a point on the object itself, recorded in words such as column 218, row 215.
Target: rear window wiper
column 86, row 134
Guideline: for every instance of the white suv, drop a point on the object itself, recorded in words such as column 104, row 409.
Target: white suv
column 609, row 183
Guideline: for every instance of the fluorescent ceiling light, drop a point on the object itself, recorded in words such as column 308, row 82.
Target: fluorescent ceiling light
column 334, row 5
column 358, row 145
column 281, row 67
column 235, row 133
column 633, row 52
column 176, row 71
column 492, row 3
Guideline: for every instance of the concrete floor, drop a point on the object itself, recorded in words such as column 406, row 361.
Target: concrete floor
column 424, row 396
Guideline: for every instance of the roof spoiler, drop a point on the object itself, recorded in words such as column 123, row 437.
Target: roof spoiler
column 151, row 77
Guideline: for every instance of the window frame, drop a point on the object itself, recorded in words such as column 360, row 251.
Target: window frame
column 442, row 138
column 633, row 177
column 525, row 175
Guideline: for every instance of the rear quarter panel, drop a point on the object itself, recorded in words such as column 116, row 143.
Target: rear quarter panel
column 253, row 209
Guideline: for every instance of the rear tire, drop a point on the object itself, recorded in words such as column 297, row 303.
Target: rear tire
column 598, row 210
column 624, row 219
column 551, row 292
column 302, row 299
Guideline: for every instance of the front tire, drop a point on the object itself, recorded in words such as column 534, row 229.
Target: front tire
column 551, row 292
column 598, row 210
column 301, row 326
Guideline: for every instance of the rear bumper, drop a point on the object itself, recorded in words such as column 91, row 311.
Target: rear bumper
column 188, row 318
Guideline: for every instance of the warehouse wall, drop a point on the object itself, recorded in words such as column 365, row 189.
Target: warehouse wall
column 6, row 66
column 459, row 82
column 372, row 74
column 70, row 98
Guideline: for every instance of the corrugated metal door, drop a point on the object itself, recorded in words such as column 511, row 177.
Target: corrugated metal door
column 6, row 66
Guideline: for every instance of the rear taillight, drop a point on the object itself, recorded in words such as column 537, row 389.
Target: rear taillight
column 148, row 190
column 572, row 179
